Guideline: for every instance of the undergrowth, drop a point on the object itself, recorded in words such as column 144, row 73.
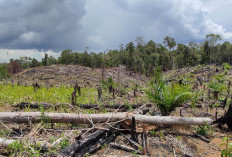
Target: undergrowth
column 11, row 94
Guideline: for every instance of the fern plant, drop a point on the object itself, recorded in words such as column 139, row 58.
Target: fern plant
column 167, row 96
column 216, row 86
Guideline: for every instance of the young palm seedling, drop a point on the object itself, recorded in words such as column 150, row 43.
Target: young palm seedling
column 167, row 96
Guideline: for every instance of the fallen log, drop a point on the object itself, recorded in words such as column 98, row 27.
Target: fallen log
column 35, row 117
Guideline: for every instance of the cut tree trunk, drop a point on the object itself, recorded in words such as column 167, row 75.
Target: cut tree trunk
column 35, row 117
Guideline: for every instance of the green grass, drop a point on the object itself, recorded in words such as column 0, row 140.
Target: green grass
column 15, row 94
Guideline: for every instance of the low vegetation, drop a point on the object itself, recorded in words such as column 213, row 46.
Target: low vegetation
column 12, row 94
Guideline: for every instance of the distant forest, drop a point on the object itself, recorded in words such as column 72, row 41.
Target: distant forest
column 143, row 56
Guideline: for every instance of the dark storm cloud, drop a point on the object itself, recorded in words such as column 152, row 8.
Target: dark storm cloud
column 40, row 24
column 105, row 24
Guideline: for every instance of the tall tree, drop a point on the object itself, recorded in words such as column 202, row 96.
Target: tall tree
column 66, row 57
column 212, row 41
column 45, row 60
column 130, row 48
column 170, row 42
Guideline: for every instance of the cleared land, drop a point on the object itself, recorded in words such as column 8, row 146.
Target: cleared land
column 56, row 86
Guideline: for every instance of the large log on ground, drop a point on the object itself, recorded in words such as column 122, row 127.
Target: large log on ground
column 34, row 117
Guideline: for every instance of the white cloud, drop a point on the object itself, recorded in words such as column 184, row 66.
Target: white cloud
column 7, row 54
column 30, row 37
column 217, row 29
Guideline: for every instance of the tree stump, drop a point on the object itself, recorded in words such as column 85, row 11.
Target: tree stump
column 226, row 119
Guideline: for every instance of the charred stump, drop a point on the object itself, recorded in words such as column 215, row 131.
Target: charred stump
column 79, row 90
column 113, row 93
column 99, row 92
column 226, row 119
column 36, row 86
column 74, row 95
column 200, row 80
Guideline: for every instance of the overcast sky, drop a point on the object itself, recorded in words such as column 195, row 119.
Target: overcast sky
column 33, row 27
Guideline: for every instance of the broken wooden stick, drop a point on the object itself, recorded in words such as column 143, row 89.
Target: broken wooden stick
column 134, row 144
column 124, row 148
column 35, row 117
column 202, row 138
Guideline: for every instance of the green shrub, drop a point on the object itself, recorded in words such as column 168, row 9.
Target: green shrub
column 167, row 96
column 220, row 78
column 216, row 86
column 204, row 130
column 226, row 66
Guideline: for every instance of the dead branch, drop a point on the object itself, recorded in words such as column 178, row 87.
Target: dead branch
column 124, row 148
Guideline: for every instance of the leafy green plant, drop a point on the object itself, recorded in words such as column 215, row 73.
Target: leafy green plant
column 167, row 96
column 220, row 78
column 134, row 154
column 216, row 105
column 20, row 148
column 44, row 118
column 152, row 132
column 64, row 143
column 4, row 133
column 226, row 66
column 227, row 152
column 178, row 137
column 216, row 86
column 195, row 98
column 107, row 83
column 160, row 134
column 16, row 148
column 204, row 130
